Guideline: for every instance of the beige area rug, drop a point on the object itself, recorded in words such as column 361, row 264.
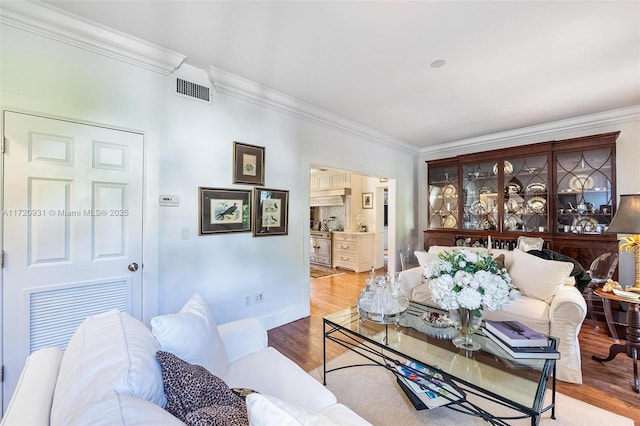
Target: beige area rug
column 323, row 272
column 373, row 393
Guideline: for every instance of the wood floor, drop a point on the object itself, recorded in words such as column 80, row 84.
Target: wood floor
column 606, row 385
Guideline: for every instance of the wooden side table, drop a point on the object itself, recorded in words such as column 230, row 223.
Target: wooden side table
column 632, row 346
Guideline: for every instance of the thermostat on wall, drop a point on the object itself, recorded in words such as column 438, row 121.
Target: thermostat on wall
column 169, row 200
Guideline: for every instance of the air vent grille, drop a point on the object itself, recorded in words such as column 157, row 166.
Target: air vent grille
column 193, row 90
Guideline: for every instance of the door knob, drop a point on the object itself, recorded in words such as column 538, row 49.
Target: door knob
column 133, row 266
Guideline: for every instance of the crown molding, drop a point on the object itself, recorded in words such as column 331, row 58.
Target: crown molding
column 523, row 135
column 233, row 85
column 55, row 24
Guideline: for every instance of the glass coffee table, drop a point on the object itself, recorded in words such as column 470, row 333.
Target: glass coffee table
column 480, row 379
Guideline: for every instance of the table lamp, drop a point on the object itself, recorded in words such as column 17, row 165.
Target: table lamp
column 627, row 221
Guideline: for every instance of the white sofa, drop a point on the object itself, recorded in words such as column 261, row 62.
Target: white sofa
column 549, row 304
column 109, row 374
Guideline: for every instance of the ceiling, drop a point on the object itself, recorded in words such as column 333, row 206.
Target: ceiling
column 508, row 65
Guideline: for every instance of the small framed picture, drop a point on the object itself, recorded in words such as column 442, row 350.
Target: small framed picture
column 367, row 200
column 248, row 164
column 270, row 212
column 224, row 210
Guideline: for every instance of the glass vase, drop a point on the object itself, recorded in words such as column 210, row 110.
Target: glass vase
column 466, row 323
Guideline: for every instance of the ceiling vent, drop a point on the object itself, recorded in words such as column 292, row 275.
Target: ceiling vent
column 192, row 90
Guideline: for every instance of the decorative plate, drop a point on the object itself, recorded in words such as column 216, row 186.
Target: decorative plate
column 438, row 320
column 508, row 168
column 511, row 223
column 478, row 207
column 628, row 294
column 537, row 204
column 513, row 188
column 581, row 183
column 435, row 198
column 450, row 221
column 449, row 191
column 512, row 206
column 536, row 187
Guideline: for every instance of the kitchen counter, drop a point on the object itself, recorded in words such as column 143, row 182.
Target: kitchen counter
column 353, row 232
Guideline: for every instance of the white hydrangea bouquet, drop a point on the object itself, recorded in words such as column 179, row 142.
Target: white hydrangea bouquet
column 469, row 280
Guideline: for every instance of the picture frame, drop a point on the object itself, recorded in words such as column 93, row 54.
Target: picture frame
column 248, row 163
column 224, row 210
column 367, row 200
column 270, row 212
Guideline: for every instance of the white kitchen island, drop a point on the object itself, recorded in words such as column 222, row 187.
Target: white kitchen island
column 353, row 250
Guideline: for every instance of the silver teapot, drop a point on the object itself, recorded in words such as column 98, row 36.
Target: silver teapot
column 585, row 207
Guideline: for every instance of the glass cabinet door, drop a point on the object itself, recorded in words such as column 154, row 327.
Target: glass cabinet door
column 584, row 191
column 443, row 197
column 480, row 196
column 526, row 189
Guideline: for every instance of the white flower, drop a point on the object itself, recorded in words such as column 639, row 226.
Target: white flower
column 468, row 279
column 470, row 256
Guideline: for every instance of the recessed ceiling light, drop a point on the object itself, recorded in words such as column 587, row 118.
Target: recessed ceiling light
column 438, row 63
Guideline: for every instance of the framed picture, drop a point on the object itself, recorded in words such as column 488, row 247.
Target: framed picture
column 248, row 164
column 224, row 210
column 367, row 200
column 270, row 212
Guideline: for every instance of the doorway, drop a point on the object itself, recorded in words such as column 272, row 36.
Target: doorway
column 338, row 202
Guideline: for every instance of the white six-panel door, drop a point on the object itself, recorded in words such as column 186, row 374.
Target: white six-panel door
column 72, row 231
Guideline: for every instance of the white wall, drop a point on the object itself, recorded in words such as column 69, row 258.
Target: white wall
column 47, row 77
column 197, row 152
column 189, row 144
column 627, row 121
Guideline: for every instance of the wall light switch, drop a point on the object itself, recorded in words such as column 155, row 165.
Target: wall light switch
column 169, row 200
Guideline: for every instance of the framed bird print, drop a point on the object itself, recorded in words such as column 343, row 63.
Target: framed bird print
column 248, row 164
column 270, row 212
column 224, row 210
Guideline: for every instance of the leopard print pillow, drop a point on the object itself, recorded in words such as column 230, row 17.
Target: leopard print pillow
column 197, row 397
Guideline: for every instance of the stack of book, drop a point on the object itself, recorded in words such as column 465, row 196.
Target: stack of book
column 424, row 387
column 520, row 341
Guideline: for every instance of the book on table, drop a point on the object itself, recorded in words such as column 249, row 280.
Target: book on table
column 516, row 334
column 428, row 391
column 523, row 352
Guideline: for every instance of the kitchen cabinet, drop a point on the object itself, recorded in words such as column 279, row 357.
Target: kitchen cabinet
column 329, row 200
column 324, row 181
column 353, row 250
column 562, row 191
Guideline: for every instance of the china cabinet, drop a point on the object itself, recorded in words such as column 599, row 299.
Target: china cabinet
column 561, row 191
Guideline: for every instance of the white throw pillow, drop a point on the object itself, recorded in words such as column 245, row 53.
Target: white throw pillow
column 425, row 257
column 192, row 335
column 267, row 410
column 108, row 352
column 538, row 278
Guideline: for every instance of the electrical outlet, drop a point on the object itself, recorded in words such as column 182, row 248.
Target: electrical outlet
column 258, row 297
column 247, row 300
